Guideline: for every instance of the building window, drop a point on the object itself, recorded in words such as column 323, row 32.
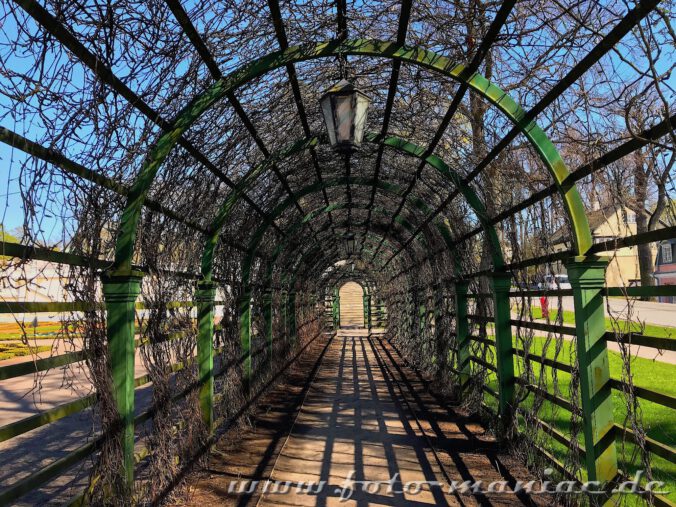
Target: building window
column 666, row 254
column 631, row 218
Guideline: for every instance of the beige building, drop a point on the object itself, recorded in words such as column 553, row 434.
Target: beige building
column 607, row 224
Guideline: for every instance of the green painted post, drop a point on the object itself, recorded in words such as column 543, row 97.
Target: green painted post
column 336, row 309
column 284, row 309
column 204, row 297
column 267, row 317
column 422, row 317
column 245, row 335
column 363, row 304
column 441, row 352
column 368, row 312
column 120, row 292
column 462, row 333
column 291, row 314
column 504, row 349
column 587, row 277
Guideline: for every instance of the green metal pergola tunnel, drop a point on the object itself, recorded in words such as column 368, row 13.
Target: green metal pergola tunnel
column 316, row 253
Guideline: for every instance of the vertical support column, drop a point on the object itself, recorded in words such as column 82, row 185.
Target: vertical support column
column 291, row 314
column 364, row 311
column 120, row 292
column 422, row 316
column 336, row 309
column 283, row 303
column 245, row 335
column 204, row 297
column 267, row 318
column 504, row 349
column 587, row 277
column 441, row 344
column 367, row 310
column 462, row 332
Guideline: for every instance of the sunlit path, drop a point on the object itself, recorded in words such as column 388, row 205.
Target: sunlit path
column 369, row 432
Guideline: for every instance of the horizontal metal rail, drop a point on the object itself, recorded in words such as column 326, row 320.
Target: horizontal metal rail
column 78, row 306
column 51, row 471
column 637, row 339
column 655, row 447
column 27, row 424
column 26, row 252
column 605, row 246
column 57, row 467
column 541, row 326
column 556, row 400
column 663, row 399
column 483, row 363
column 38, row 365
column 556, row 434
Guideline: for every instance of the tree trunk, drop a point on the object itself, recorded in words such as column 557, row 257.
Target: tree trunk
column 645, row 256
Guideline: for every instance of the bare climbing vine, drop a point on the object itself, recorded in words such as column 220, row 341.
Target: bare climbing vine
column 411, row 263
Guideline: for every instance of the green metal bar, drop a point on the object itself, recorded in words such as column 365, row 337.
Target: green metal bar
column 661, row 290
column 49, row 255
column 635, row 143
column 205, row 296
column 245, row 335
column 587, row 276
column 422, row 317
column 504, row 349
column 404, row 20
column 666, row 400
column 298, row 146
column 120, row 292
column 291, row 316
column 336, row 306
column 57, row 467
column 66, row 165
column 479, row 55
column 655, row 447
column 440, row 338
column 9, row 495
column 606, row 246
column 26, row 252
column 462, row 333
column 173, row 130
column 415, row 56
column 245, row 309
column 644, row 341
column 35, row 421
column 545, row 149
column 54, row 414
column 47, row 363
column 267, row 316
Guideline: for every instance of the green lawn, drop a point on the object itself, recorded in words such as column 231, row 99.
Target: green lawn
column 659, row 421
column 10, row 350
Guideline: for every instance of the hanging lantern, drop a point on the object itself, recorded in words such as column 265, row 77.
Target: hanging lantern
column 344, row 108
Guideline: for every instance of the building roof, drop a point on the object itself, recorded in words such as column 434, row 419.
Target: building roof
column 596, row 219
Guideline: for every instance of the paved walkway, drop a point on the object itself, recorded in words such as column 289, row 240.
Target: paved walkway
column 363, row 417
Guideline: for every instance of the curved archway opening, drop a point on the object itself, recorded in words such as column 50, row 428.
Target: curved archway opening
column 351, row 296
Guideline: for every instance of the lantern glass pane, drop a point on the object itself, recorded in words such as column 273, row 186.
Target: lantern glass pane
column 344, row 116
column 360, row 117
column 327, row 111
